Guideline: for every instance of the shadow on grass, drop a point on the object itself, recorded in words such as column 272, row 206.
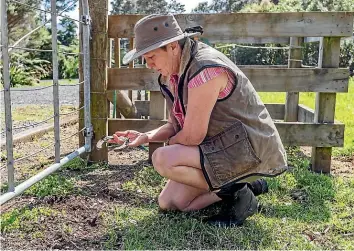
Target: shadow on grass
column 299, row 194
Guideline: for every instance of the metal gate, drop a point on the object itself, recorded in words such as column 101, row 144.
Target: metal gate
column 87, row 130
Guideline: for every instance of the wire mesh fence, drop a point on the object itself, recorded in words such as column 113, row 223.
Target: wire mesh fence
column 55, row 112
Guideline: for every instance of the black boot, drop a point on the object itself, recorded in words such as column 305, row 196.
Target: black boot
column 235, row 209
column 258, row 187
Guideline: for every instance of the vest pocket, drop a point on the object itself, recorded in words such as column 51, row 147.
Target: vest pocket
column 230, row 154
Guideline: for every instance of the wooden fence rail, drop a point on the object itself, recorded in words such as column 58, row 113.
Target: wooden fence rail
column 297, row 124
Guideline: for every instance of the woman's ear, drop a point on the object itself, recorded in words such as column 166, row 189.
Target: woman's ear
column 174, row 48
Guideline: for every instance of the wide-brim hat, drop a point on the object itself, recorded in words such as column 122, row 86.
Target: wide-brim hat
column 155, row 31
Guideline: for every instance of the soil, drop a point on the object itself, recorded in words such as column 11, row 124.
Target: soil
column 83, row 212
column 81, row 223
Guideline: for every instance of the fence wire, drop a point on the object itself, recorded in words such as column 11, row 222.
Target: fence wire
column 45, row 120
column 55, row 50
column 44, row 148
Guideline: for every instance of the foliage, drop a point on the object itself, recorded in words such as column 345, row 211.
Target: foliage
column 146, row 7
column 25, row 70
column 69, row 64
column 60, row 6
column 21, row 19
column 175, row 7
column 67, row 32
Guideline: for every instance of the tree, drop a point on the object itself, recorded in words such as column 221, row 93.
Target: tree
column 21, row 20
column 67, row 32
column 123, row 7
column 60, row 6
column 202, row 8
column 222, row 6
column 146, row 7
column 151, row 6
column 176, row 7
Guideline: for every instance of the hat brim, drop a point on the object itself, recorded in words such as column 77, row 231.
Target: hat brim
column 133, row 54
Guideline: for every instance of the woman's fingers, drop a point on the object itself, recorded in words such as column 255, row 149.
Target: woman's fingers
column 115, row 140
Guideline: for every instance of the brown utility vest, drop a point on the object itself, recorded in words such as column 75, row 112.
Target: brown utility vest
column 242, row 141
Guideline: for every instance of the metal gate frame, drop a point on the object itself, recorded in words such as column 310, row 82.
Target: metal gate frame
column 87, row 130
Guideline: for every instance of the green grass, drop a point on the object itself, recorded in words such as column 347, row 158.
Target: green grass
column 301, row 205
column 22, row 219
column 35, row 113
column 344, row 113
column 54, row 185
column 303, row 210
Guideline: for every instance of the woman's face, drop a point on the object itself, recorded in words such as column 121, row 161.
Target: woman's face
column 165, row 61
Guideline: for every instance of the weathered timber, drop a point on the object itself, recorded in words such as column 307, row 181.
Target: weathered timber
column 227, row 27
column 291, row 133
column 157, row 111
column 305, row 114
column 141, row 125
column 294, row 61
column 98, row 60
column 276, row 111
column 263, row 79
column 325, row 105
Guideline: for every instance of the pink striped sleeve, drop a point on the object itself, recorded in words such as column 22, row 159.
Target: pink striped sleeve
column 205, row 75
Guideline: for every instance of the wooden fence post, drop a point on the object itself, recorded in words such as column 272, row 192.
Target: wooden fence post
column 157, row 111
column 131, row 65
column 98, row 60
column 294, row 61
column 326, row 104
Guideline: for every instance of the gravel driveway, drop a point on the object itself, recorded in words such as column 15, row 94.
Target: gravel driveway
column 68, row 95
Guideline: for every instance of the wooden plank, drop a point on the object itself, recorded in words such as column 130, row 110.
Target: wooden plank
column 294, row 61
column 141, row 125
column 310, row 134
column 305, row 114
column 325, row 105
column 131, row 65
column 291, row 133
column 264, row 80
column 276, row 111
column 157, row 111
column 98, row 61
column 117, row 52
column 261, row 66
column 229, row 26
column 117, row 64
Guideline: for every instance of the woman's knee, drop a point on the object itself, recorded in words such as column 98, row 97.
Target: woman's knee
column 165, row 203
column 172, row 204
column 158, row 160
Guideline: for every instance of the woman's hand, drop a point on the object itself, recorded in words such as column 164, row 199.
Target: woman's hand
column 135, row 138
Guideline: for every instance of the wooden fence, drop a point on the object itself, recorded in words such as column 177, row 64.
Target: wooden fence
column 297, row 124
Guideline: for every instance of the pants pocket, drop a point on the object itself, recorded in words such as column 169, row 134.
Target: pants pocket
column 230, row 153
